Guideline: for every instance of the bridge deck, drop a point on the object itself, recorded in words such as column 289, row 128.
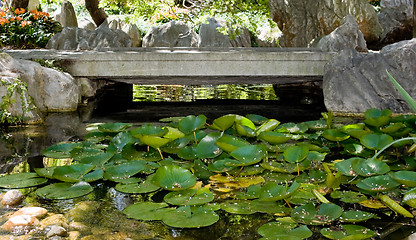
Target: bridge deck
column 190, row 66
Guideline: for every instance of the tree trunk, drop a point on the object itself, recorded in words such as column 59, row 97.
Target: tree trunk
column 414, row 18
column 97, row 14
column 17, row 4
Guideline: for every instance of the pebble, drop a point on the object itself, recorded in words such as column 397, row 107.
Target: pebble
column 12, row 198
column 37, row 212
column 55, row 230
column 73, row 235
column 78, row 226
column 55, row 219
column 21, row 224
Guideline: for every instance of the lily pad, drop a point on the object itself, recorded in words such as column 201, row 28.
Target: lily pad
column 248, row 155
column 189, row 197
column 354, row 216
column 147, row 210
column 61, row 191
column 274, row 192
column 113, row 127
column 274, row 138
column 349, row 232
column 376, row 141
column 288, row 231
column 21, row 180
column 72, row 173
column 230, row 143
column 381, row 183
column 174, row 178
column 61, row 150
column 376, row 117
column 296, row 154
column 138, row 187
column 182, row 217
column 224, row 122
column 335, row 135
column 269, row 125
column 97, row 160
column 370, row 167
column 207, row 148
column 307, row 214
column 192, row 123
column 123, row 171
column 348, row 196
column 410, row 198
column 407, row 178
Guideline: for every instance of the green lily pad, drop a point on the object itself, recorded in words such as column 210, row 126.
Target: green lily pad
column 248, row 155
column 61, row 150
column 345, row 166
column 223, row 165
column 93, row 176
column 393, row 127
column 269, row 125
column 97, row 160
column 335, row 135
column 369, row 167
column 287, row 231
column 354, row 216
column 21, row 180
column 113, row 127
column 294, row 128
column 376, row 141
column 123, row 171
column 182, row 217
column 147, row 211
column 249, row 207
column 45, row 172
column 149, row 130
column 381, row 183
column 376, row 117
column 295, row 154
column 173, row 133
column 207, row 148
column 83, row 152
column 189, row 197
column 348, row 232
column 284, row 167
column 273, row 192
column 62, row 191
column 153, row 141
column 230, row 143
column 224, row 122
column 407, row 178
column 274, row 138
column 187, row 153
column 307, row 214
column 348, row 196
column 257, row 119
column 192, row 123
column 174, row 178
column 410, row 198
column 72, row 173
column 122, row 139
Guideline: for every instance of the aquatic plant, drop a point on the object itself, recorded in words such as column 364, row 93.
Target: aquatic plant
column 306, row 175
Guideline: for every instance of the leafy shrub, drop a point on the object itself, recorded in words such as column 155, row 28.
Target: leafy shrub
column 26, row 29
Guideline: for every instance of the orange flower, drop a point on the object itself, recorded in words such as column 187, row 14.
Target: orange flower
column 3, row 21
column 12, row 19
column 19, row 18
column 2, row 13
column 19, row 11
column 25, row 23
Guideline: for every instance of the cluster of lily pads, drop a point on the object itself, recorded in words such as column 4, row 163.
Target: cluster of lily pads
column 305, row 174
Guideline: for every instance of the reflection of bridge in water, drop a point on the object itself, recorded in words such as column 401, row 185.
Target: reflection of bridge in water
column 190, row 66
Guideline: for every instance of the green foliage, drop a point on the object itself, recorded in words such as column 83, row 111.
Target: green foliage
column 27, row 29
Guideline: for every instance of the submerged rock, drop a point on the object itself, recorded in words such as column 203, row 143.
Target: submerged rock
column 21, row 224
column 37, row 212
column 12, row 198
column 55, row 230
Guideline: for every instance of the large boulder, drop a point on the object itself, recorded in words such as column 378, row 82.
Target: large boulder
column 82, row 39
column 171, row 34
column 396, row 19
column 68, row 17
column 301, row 21
column 355, row 82
column 348, row 35
column 210, row 36
column 51, row 90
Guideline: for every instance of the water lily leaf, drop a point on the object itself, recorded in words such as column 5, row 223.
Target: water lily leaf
column 393, row 127
column 231, row 183
column 153, row 141
column 317, row 124
column 307, row 214
column 45, row 172
column 207, row 148
column 269, row 125
column 354, row 216
column 113, row 127
column 373, row 203
column 146, row 186
column 147, row 211
column 244, row 130
column 358, row 150
column 223, row 165
column 123, row 171
column 295, row 154
column 410, row 198
column 274, row 138
column 224, row 122
column 294, row 128
column 61, row 191
column 93, row 175
column 21, row 180
column 376, row 141
column 288, row 231
column 192, row 123
column 247, row 170
column 79, row 153
column 174, row 178
column 60, row 150
column 230, row 143
column 149, row 130
column 348, row 196
column 189, row 197
column 407, row 178
column 345, row 166
column 357, row 133
column 237, row 207
column 175, row 145
column 381, row 183
column 248, row 155
column 376, row 117
column 250, row 207
column 72, row 173
column 98, row 160
column 273, row 192
column 256, row 119
column 348, row 232
column 201, row 170
column 173, row 133
column 335, row 135
column 284, row 167
column 187, row 153
column 182, row 217
column 369, row 167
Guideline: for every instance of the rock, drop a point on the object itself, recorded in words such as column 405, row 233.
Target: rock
column 268, row 37
column 348, row 35
column 37, row 212
column 20, row 224
column 301, row 21
column 81, row 39
column 33, row 5
column 355, row 82
column 12, row 198
column 133, row 31
column 55, row 230
column 171, row 34
column 210, row 36
column 396, row 19
column 68, row 18
column 86, row 24
column 78, row 226
column 55, row 219
column 74, row 235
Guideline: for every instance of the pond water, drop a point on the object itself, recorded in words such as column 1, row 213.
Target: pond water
column 100, row 211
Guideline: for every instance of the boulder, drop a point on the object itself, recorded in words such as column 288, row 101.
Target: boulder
column 396, row 19
column 82, row 39
column 348, row 35
column 21, row 224
column 86, row 24
column 37, row 212
column 12, row 198
column 302, row 21
column 210, row 36
column 133, row 31
column 355, row 82
column 33, row 5
column 50, row 90
column 55, row 230
column 68, row 17
column 171, row 34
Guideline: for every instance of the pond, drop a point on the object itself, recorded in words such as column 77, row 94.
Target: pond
column 233, row 198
